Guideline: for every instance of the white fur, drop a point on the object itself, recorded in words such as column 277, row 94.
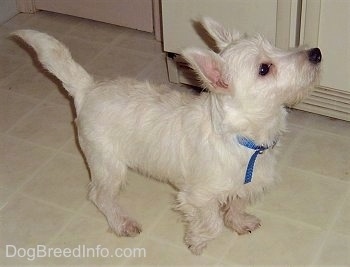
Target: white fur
column 181, row 138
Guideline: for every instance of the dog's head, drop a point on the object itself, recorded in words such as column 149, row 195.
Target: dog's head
column 250, row 68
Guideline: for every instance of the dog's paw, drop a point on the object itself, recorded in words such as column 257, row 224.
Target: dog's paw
column 250, row 224
column 130, row 228
column 126, row 227
column 196, row 247
column 243, row 223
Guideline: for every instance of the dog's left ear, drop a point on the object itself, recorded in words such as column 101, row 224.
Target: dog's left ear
column 210, row 68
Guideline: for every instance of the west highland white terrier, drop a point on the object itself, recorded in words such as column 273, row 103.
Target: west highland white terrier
column 217, row 148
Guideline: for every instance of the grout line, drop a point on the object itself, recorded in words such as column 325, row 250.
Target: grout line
column 331, row 227
column 37, row 171
column 320, row 132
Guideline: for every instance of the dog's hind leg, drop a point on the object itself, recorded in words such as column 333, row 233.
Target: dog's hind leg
column 106, row 179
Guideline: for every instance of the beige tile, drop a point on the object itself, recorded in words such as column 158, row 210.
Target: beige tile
column 322, row 123
column 9, row 64
column 5, row 194
column 143, row 199
column 162, row 254
column 48, row 125
column 52, row 23
column 171, row 229
column 19, row 161
column 155, row 72
column 335, row 251
column 61, row 97
column 13, row 107
column 9, row 258
column 277, row 242
column 146, row 199
column 343, row 220
column 116, row 62
column 83, row 51
column 305, row 197
column 286, row 143
column 63, row 181
column 27, row 223
column 298, row 117
column 29, row 81
column 145, row 43
column 72, row 147
column 83, row 233
column 323, row 154
column 97, row 31
column 91, row 211
column 11, row 47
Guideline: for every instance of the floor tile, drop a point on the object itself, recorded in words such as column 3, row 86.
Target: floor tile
column 335, row 251
column 63, row 181
column 322, row 154
column 277, row 242
column 72, row 147
column 29, row 81
column 5, row 194
column 146, row 44
column 48, row 125
column 90, row 240
column 19, row 161
column 143, row 199
column 95, row 31
column 9, row 64
column 171, row 229
column 155, row 72
column 26, row 223
column 342, row 221
column 305, row 197
column 13, row 107
column 322, row 123
column 156, row 251
column 146, row 199
column 82, row 50
column 52, row 23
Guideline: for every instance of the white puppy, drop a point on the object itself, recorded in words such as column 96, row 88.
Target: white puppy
column 209, row 146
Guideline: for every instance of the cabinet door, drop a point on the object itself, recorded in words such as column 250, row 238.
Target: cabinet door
column 326, row 24
column 271, row 18
column 136, row 14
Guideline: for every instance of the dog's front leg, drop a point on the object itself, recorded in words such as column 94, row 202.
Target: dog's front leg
column 237, row 219
column 204, row 222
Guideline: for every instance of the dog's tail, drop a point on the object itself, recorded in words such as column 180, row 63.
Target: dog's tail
column 56, row 58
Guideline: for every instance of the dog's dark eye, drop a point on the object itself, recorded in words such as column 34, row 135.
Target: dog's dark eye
column 264, row 69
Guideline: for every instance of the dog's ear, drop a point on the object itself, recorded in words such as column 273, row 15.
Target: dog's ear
column 221, row 36
column 210, row 68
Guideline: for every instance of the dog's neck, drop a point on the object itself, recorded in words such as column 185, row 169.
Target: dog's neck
column 262, row 124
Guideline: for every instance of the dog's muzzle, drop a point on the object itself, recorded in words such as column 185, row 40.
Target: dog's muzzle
column 314, row 55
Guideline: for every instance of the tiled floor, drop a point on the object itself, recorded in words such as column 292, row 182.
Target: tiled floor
column 43, row 183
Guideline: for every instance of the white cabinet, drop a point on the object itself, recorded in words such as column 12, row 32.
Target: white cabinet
column 286, row 23
column 326, row 24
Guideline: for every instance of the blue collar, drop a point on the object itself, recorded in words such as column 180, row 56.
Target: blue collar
column 259, row 149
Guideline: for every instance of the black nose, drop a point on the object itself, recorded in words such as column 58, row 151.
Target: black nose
column 314, row 55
